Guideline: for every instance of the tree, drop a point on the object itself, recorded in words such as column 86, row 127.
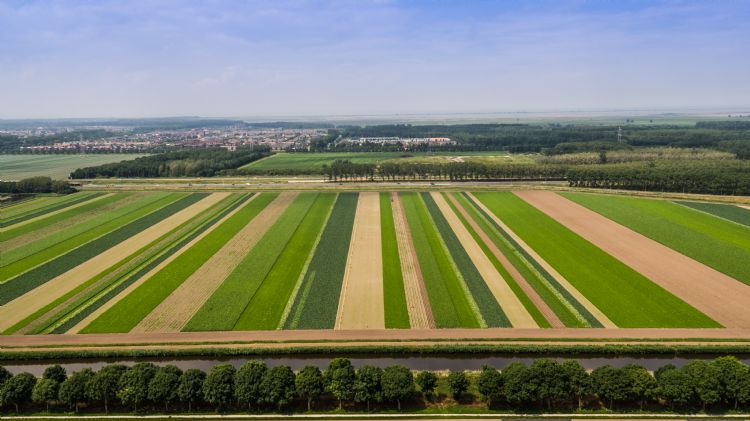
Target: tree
column 339, row 378
column 516, row 384
column 56, row 373
column 458, row 383
column 105, row 384
column 17, row 390
column 5, row 375
column 548, row 381
column 663, row 369
column 277, row 386
column 704, row 377
column 218, row 387
column 309, row 384
column 163, row 386
column 675, row 387
column 247, row 383
column 367, row 386
column 490, row 385
column 427, row 381
column 190, row 389
column 611, row 384
column 73, row 389
column 134, row 384
column 398, row 384
column 643, row 386
column 734, row 380
column 45, row 391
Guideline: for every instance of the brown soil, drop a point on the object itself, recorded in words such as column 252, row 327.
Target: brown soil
column 717, row 295
column 588, row 305
column 32, row 301
column 361, row 304
column 417, row 301
column 745, row 206
column 509, row 302
column 535, row 298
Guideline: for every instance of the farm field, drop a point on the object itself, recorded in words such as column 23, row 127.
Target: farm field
column 169, row 262
column 17, row 167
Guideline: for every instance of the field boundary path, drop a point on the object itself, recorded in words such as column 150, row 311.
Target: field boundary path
column 535, row 298
column 717, row 295
column 25, row 305
column 417, row 301
column 509, row 302
column 588, row 305
column 132, row 287
column 172, row 314
column 361, row 304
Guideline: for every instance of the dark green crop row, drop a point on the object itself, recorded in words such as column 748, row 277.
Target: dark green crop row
column 67, row 201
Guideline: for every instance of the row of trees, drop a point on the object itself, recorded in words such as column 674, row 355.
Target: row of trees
column 35, row 185
column 722, row 383
column 455, row 171
column 202, row 162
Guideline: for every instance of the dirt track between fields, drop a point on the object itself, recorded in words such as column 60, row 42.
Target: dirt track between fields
column 172, row 314
column 361, row 304
column 720, row 297
column 509, row 302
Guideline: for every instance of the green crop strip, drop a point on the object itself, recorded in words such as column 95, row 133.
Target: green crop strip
column 44, row 273
column 729, row 212
column 190, row 230
column 528, row 305
column 565, row 306
column 396, row 312
column 488, row 307
column 625, row 296
column 448, row 301
column 128, row 312
column 266, row 309
column 70, row 213
column 27, row 205
column 316, row 307
column 45, row 249
column 69, row 201
column 722, row 245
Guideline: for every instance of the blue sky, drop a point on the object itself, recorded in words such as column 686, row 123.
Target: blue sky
column 103, row 58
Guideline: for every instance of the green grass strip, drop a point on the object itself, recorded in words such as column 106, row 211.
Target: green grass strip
column 316, row 307
column 222, row 310
column 27, row 204
column 449, row 303
column 565, row 306
column 128, row 312
column 729, row 212
column 396, row 311
column 722, row 245
column 66, row 201
column 527, row 304
column 628, row 298
column 489, row 308
column 45, row 249
column 266, row 309
column 41, row 274
column 70, row 213
column 95, row 300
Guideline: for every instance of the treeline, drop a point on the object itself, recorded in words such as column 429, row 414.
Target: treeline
column 721, row 384
column 36, row 185
column 185, row 163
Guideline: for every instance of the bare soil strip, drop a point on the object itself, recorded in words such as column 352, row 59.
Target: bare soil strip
column 27, row 304
column 590, row 307
column 504, row 295
column 537, row 300
column 373, row 336
column 718, row 296
column 361, row 304
column 172, row 314
column 745, row 206
column 47, row 215
column 98, row 312
column 417, row 301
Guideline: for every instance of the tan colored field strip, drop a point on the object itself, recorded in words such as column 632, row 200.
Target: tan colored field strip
column 509, row 302
column 745, row 206
column 588, row 305
column 27, row 304
column 172, row 314
column 361, row 303
column 47, row 215
column 417, row 301
column 718, row 296
column 535, row 298
column 98, row 312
